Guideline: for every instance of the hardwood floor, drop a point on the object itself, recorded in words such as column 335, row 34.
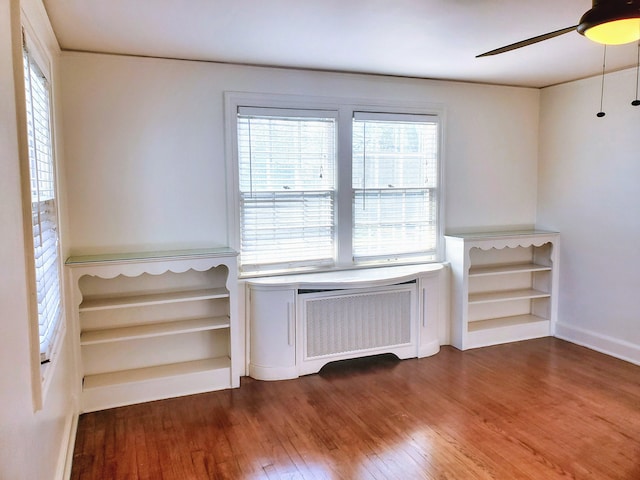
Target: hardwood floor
column 541, row 410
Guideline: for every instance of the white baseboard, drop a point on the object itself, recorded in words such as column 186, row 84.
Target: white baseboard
column 615, row 347
column 65, row 460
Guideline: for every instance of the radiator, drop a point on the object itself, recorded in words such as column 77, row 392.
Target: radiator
column 299, row 323
column 344, row 322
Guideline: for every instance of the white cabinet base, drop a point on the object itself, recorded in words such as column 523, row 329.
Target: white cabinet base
column 507, row 329
column 299, row 323
column 114, row 389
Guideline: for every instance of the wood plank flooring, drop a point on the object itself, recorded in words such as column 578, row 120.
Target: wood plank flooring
column 537, row 410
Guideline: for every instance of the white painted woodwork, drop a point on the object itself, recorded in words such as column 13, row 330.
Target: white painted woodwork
column 151, row 326
column 504, row 286
column 280, row 346
column 89, row 337
column 272, row 318
column 126, row 301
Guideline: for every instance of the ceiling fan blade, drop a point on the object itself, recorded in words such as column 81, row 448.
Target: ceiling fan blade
column 528, row 41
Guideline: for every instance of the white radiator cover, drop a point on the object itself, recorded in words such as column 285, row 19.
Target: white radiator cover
column 299, row 323
column 337, row 323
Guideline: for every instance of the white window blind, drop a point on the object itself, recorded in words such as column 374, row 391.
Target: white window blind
column 43, row 204
column 286, row 167
column 395, row 181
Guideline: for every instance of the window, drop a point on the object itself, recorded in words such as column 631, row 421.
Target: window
column 287, row 188
column 335, row 187
column 44, row 221
column 395, row 160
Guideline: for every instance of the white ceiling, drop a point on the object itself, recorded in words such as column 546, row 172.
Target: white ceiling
column 415, row 38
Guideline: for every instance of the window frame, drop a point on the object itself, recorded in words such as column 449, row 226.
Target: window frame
column 345, row 110
column 41, row 372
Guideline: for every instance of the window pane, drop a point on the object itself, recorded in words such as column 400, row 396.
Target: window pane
column 394, row 154
column 287, row 191
column 395, row 177
column 277, row 154
column 287, row 229
column 43, row 205
column 394, row 224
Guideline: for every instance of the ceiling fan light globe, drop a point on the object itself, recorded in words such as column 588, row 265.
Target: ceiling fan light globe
column 612, row 22
column 617, row 32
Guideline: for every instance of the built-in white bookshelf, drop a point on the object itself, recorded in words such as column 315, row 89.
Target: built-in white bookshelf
column 504, row 286
column 154, row 325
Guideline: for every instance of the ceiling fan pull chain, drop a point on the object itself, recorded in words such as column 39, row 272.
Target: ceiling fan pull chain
column 601, row 114
column 636, row 102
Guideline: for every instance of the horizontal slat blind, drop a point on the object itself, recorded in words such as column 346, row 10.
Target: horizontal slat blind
column 286, row 166
column 395, row 181
column 43, row 205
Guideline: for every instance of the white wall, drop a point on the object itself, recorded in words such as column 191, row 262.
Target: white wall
column 589, row 187
column 32, row 445
column 146, row 156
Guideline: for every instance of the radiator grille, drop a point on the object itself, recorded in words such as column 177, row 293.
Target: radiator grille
column 348, row 323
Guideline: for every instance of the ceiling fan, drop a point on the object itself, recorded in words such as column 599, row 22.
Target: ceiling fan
column 610, row 22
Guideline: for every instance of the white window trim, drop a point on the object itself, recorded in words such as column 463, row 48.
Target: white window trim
column 346, row 108
column 41, row 374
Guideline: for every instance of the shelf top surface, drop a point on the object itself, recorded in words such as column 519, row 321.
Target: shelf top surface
column 340, row 278
column 496, row 234
column 156, row 255
column 482, row 270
